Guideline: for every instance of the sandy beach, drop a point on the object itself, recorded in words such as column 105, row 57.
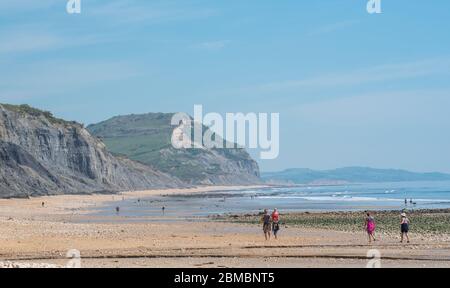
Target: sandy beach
column 32, row 235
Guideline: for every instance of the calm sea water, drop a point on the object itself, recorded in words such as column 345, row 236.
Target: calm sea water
column 373, row 196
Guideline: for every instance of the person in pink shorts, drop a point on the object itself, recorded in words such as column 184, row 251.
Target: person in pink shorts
column 369, row 226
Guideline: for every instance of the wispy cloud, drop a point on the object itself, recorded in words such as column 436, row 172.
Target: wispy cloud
column 332, row 27
column 381, row 73
column 47, row 78
column 131, row 11
column 318, row 88
column 13, row 42
column 9, row 6
column 212, row 45
column 28, row 42
column 407, row 108
column 30, row 38
column 32, row 35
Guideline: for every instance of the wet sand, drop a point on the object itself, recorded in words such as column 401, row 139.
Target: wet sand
column 32, row 235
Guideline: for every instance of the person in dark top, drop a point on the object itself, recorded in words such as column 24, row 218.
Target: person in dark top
column 266, row 224
column 404, row 227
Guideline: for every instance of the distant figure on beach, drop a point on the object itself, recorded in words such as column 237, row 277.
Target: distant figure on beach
column 43, row 204
column 117, row 209
column 404, row 227
column 275, row 222
column 266, row 224
column 369, row 225
column 163, row 209
column 406, row 201
column 410, row 201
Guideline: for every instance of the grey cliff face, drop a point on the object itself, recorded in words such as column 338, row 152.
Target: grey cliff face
column 218, row 167
column 41, row 155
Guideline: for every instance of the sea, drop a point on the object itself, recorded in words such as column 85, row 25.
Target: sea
column 351, row 197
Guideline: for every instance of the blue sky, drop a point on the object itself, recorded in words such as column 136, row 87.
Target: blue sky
column 351, row 88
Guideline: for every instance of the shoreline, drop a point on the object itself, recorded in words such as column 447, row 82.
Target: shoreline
column 81, row 204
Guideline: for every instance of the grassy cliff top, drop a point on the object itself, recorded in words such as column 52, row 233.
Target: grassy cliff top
column 25, row 109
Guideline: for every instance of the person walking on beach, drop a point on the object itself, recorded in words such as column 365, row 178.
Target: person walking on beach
column 404, row 227
column 266, row 224
column 369, row 225
column 275, row 222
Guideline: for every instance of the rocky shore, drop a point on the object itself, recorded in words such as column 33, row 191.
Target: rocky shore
column 423, row 222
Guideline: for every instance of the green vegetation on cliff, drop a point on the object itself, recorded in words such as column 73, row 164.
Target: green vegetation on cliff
column 25, row 109
column 147, row 138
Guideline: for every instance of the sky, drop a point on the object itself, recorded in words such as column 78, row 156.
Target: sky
column 352, row 88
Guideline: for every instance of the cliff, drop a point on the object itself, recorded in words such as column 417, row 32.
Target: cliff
column 147, row 138
column 43, row 155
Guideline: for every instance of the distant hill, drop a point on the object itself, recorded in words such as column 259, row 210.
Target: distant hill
column 147, row 138
column 350, row 175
